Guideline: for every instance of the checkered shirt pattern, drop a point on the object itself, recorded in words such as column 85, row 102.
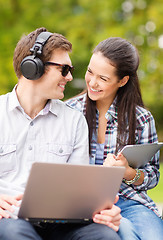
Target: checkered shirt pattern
column 145, row 133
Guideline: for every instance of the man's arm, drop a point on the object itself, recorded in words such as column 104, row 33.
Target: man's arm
column 80, row 154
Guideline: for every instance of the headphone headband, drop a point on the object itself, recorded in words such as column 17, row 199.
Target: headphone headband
column 41, row 39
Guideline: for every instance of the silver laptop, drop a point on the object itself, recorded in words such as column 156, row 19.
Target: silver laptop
column 138, row 155
column 64, row 193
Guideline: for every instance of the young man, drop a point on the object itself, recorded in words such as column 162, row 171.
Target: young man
column 36, row 126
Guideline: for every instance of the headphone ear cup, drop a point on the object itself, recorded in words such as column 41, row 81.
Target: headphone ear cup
column 32, row 67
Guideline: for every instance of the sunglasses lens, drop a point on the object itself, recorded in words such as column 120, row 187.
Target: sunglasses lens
column 71, row 70
column 66, row 69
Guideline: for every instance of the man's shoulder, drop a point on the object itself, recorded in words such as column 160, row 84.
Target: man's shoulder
column 68, row 113
column 4, row 98
column 65, row 107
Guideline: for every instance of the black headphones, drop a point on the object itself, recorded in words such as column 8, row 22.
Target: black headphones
column 32, row 67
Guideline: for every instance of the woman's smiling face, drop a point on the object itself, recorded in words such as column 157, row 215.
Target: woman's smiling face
column 101, row 80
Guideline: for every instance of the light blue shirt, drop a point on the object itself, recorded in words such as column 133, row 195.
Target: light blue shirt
column 99, row 154
column 58, row 134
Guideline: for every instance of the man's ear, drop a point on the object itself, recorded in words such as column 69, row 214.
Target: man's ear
column 124, row 80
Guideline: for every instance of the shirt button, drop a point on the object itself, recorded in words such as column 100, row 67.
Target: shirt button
column 31, row 123
column 60, row 150
column 30, row 148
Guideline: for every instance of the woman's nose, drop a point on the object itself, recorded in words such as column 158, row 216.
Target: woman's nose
column 93, row 82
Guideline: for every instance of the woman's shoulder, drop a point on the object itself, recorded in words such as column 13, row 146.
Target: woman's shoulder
column 143, row 115
column 77, row 102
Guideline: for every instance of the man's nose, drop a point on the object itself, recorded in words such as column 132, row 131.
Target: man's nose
column 69, row 77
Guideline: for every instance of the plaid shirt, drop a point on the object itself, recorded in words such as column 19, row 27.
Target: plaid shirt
column 145, row 133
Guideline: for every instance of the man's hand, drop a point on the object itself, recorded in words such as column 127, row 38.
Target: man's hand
column 6, row 203
column 110, row 217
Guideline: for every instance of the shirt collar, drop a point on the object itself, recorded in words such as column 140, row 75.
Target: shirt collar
column 13, row 100
column 54, row 106
column 51, row 106
column 113, row 109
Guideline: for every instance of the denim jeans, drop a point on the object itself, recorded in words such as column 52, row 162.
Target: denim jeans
column 127, row 230
column 11, row 229
column 146, row 223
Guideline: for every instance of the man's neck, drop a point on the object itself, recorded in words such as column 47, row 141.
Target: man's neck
column 29, row 100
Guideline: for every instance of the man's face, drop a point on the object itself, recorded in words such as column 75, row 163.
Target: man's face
column 52, row 82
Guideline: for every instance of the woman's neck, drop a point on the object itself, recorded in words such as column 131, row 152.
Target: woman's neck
column 103, row 107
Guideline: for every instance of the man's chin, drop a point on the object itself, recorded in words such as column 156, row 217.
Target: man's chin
column 61, row 96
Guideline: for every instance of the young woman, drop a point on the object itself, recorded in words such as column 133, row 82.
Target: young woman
column 116, row 117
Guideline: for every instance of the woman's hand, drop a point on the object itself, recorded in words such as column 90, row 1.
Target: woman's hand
column 6, row 203
column 120, row 160
column 110, row 217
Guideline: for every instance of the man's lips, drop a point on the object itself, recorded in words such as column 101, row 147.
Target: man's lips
column 62, row 85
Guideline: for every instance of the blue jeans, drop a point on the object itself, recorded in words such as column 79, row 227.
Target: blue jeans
column 146, row 223
column 127, row 230
column 11, row 229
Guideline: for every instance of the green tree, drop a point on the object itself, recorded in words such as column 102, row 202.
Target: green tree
column 85, row 23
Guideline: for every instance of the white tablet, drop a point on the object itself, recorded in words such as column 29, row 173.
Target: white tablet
column 138, row 155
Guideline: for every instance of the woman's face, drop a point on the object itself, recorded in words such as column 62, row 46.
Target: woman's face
column 101, row 81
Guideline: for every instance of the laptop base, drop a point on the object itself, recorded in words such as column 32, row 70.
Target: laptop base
column 63, row 221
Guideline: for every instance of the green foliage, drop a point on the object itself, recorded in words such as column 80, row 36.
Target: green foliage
column 85, row 23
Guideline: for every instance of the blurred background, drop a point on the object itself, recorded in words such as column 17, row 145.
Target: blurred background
column 85, row 23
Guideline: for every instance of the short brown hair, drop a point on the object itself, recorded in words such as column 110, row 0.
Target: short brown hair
column 22, row 50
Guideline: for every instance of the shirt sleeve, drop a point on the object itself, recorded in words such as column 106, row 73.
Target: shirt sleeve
column 80, row 154
column 147, row 134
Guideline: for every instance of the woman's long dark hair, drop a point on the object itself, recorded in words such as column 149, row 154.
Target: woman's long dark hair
column 124, row 57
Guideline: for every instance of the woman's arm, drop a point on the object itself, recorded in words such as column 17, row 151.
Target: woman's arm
column 146, row 177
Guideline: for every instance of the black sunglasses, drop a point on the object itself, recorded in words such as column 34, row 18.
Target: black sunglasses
column 65, row 68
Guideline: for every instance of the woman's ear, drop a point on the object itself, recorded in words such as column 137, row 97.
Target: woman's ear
column 124, row 80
